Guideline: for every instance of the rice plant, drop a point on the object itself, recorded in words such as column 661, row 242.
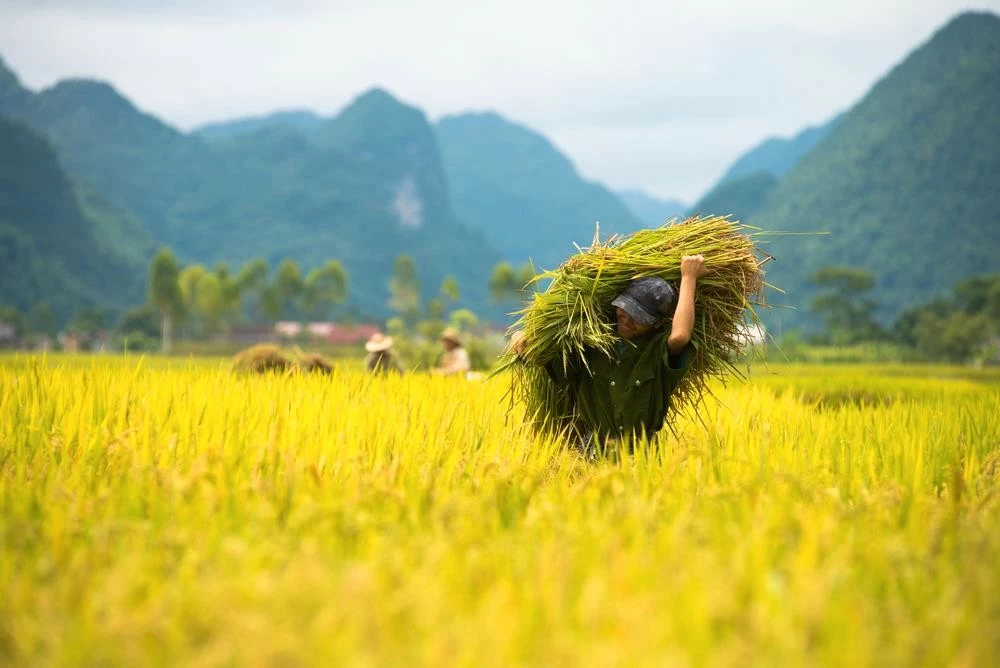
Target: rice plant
column 171, row 512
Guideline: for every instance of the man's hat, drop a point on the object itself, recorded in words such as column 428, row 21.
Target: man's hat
column 647, row 300
column 451, row 334
column 377, row 343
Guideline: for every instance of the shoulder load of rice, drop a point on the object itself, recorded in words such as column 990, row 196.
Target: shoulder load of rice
column 574, row 313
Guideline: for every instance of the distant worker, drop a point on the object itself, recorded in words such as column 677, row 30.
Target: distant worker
column 455, row 359
column 627, row 395
column 380, row 359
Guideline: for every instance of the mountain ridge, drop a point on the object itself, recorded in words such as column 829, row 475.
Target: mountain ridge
column 906, row 181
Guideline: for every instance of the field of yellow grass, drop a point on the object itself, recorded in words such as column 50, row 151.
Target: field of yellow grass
column 160, row 512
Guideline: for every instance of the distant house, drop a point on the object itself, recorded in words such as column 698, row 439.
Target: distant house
column 74, row 342
column 8, row 335
column 249, row 335
column 346, row 335
column 287, row 329
column 326, row 332
column 320, row 330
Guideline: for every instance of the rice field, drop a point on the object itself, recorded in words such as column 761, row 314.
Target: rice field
column 157, row 512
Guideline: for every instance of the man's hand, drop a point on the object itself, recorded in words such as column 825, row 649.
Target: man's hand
column 517, row 343
column 693, row 266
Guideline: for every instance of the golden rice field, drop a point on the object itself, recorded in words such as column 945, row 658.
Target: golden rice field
column 171, row 513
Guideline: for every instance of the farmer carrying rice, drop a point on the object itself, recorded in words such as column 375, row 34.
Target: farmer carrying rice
column 632, row 329
column 627, row 394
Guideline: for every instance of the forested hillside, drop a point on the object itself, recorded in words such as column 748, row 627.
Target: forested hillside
column 521, row 192
column 906, row 184
column 56, row 247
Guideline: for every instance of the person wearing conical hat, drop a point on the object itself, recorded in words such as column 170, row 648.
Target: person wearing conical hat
column 380, row 359
column 455, row 359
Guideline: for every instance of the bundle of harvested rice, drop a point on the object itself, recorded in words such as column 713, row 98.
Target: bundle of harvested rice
column 262, row 358
column 265, row 358
column 314, row 363
column 574, row 313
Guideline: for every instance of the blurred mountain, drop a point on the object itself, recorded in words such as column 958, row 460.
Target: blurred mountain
column 748, row 181
column 651, row 211
column 366, row 186
column 906, row 183
column 777, row 155
column 521, row 192
column 59, row 244
column 739, row 197
column 302, row 120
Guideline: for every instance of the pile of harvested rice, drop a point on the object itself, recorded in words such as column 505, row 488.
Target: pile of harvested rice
column 574, row 313
column 267, row 358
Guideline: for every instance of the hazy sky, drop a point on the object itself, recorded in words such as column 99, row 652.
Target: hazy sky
column 656, row 95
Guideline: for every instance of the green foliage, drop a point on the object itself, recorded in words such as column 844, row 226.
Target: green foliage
column 449, row 289
column 50, row 249
column 229, row 289
column 303, row 196
column 404, row 289
column 188, row 283
column 503, row 281
column 958, row 328
column 88, row 322
column 463, row 319
column 844, row 305
column 325, row 287
column 508, row 283
column 210, row 302
column 165, row 292
column 164, row 287
column 905, row 184
column 253, row 274
column 11, row 315
column 288, row 286
column 953, row 337
column 42, row 319
column 141, row 321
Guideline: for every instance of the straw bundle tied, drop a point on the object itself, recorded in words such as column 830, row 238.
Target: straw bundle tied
column 574, row 313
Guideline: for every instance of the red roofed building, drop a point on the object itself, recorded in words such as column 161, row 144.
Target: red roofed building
column 327, row 332
column 350, row 334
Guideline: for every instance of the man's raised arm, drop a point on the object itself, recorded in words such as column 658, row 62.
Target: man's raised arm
column 692, row 268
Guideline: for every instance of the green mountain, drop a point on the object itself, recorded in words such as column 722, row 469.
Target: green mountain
column 651, row 211
column 744, row 187
column 740, row 197
column 364, row 187
column 777, row 155
column 525, row 196
column 57, row 244
column 906, row 184
column 302, row 120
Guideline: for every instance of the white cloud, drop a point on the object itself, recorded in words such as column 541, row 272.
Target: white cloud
column 659, row 95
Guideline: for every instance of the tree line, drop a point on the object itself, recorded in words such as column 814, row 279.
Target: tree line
column 955, row 327
column 195, row 301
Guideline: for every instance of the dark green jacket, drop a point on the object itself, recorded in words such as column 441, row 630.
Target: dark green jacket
column 629, row 393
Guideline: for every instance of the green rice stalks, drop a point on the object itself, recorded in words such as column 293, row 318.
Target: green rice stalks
column 574, row 312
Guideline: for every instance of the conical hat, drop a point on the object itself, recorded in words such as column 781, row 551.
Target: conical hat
column 378, row 343
column 451, row 334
